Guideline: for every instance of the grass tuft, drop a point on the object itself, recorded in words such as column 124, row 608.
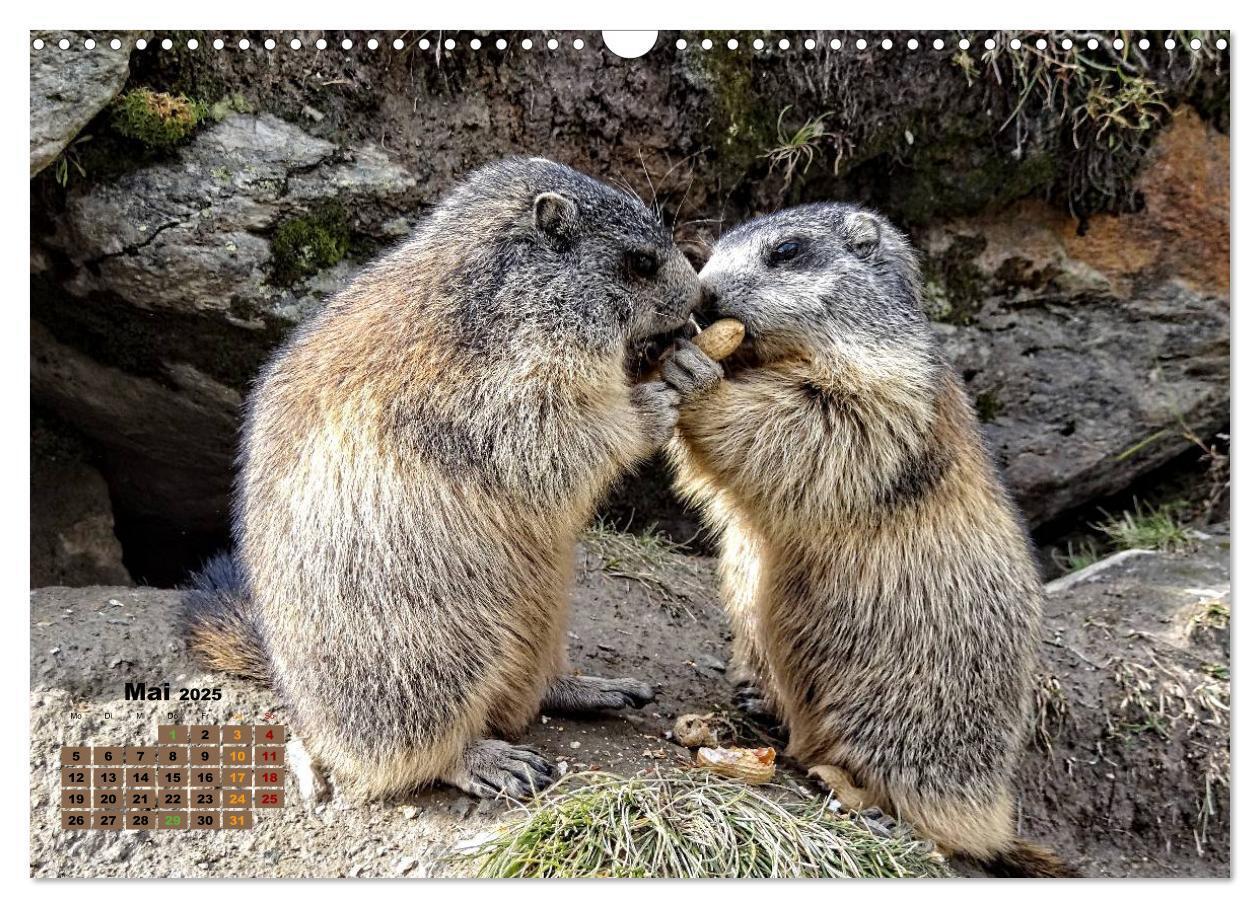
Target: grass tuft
column 1146, row 527
column 796, row 149
column 688, row 824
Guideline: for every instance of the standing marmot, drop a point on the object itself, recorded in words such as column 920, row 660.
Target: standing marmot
column 881, row 588
column 416, row 465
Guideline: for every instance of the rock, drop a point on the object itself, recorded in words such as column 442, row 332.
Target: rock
column 72, row 520
column 69, row 87
column 1092, row 356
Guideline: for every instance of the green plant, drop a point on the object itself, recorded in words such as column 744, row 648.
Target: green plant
column 797, row 149
column 303, row 245
column 70, row 158
column 1075, row 559
column 156, row 119
column 689, row 824
column 1146, row 527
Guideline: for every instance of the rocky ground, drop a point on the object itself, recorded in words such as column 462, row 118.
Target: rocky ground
column 1128, row 773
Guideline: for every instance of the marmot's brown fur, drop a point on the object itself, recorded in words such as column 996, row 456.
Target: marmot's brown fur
column 881, row 587
column 416, row 465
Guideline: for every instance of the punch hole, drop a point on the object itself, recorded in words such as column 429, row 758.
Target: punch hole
column 630, row 44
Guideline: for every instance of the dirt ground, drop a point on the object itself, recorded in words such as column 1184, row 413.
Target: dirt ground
column 1119, row 803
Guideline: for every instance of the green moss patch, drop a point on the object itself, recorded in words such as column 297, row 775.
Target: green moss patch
column 305, row 245
column 156, row 119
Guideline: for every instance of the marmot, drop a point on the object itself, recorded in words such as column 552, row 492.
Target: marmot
column 415, row 467
column 881, row 586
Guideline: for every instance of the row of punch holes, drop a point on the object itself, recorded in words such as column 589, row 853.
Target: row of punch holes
column 758, row 44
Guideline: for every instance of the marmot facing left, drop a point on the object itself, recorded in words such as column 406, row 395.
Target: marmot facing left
column 881, row 587
column 416, row 465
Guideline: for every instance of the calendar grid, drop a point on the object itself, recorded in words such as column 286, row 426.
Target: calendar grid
column 199, row 777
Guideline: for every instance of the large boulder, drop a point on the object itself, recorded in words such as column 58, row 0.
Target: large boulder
column 69, row 87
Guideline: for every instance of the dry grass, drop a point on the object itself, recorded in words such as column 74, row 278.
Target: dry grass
column 648, row 560
column 689, row 824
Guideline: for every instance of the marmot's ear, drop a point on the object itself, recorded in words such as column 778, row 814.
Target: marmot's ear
column 862, row 233
column 555, row 215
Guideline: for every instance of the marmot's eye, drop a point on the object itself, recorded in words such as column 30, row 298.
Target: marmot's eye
column 643, row 264
column 784, row 252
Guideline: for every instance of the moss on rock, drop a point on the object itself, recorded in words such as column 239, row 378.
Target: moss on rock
column 954, row 285
column 307, row 244
column 156, row 119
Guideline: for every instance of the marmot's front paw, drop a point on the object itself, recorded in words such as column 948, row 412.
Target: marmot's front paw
column 690, row 371
column 657, row 404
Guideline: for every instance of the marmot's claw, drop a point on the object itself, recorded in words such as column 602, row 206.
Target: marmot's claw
column 690, row 371
column 658, row 403
column 587, row 694
column 497, row 769
column 634, row 692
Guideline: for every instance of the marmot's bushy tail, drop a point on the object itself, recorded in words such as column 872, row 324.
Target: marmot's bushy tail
column 1024, row 859
column 218, row 621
